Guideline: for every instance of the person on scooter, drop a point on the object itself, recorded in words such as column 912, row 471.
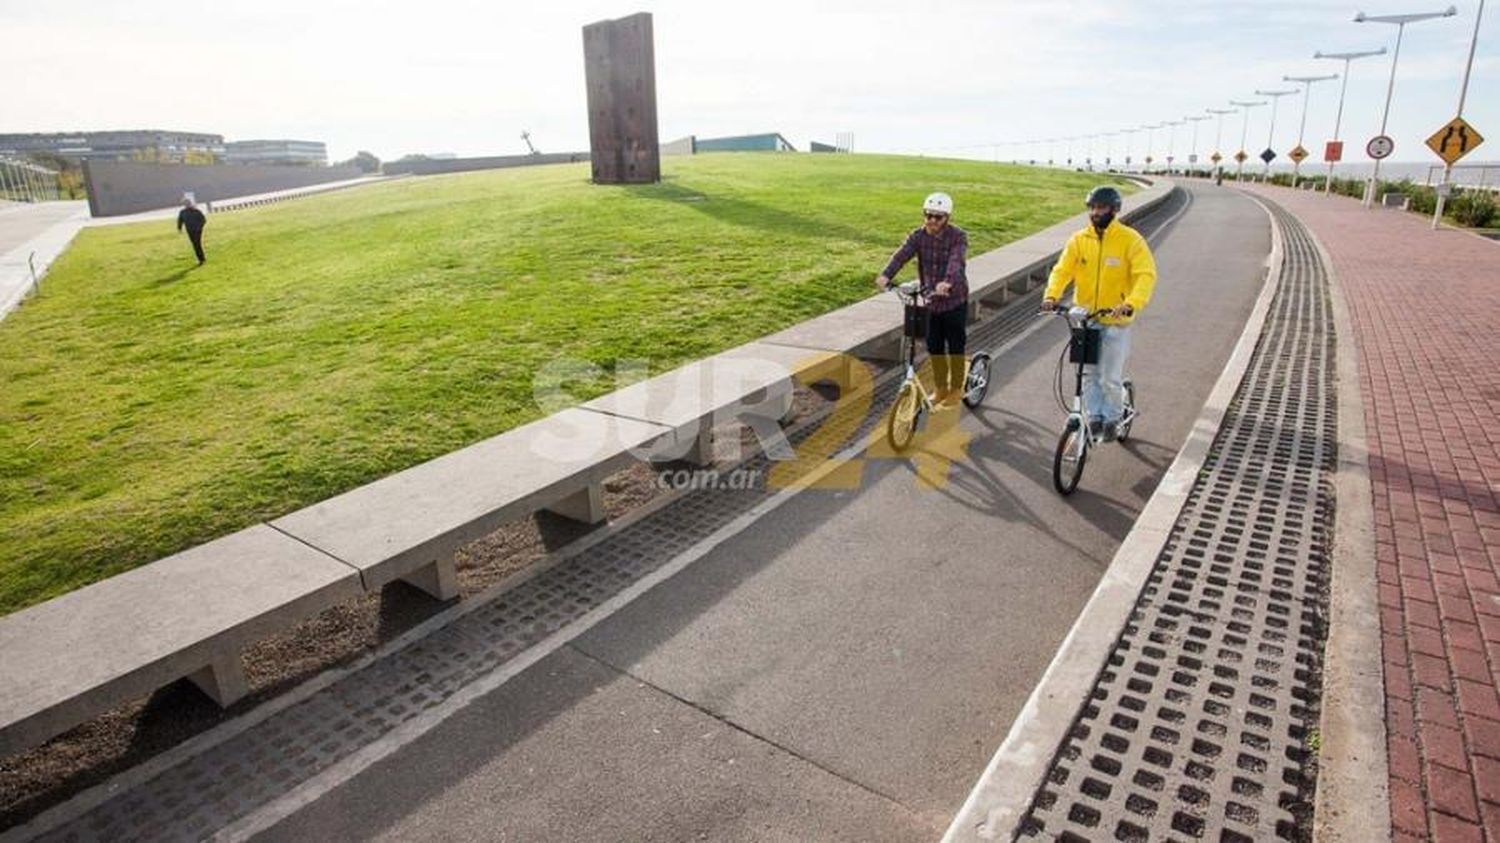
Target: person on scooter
column 941, row 249
column 1111, row 268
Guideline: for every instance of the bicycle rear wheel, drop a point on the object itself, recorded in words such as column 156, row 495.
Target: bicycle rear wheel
column 1122, row 432
column 1067, row 463
column 977, row 381
column 902, row 425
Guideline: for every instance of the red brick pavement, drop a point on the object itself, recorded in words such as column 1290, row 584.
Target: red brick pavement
column 1425, row 306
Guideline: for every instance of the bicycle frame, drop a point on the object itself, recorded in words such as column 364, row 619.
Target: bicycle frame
column 1078, row 414
column 910, row 294
column 975, row 376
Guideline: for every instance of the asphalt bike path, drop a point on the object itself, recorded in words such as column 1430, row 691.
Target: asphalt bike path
column 845, row 668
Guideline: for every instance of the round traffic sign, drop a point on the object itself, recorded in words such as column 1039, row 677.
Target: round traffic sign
column 1379, row 147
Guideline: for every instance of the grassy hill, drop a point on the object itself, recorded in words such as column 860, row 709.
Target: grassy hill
column 149, row 405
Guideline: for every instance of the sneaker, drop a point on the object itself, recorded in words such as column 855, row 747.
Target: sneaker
column 1096, row 427
column 1111, row 430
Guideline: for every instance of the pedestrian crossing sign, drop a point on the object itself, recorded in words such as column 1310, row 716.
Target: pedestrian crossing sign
column 1454, row 140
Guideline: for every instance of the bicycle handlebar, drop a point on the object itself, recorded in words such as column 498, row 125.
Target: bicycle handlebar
column 1080, row 315
column 909, row 292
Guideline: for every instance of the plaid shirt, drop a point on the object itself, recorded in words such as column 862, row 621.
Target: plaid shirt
column 939, row 258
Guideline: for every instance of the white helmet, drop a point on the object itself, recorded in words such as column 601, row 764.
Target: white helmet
column 938, row 203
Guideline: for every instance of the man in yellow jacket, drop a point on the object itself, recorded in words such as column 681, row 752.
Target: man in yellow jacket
column 1110, row 267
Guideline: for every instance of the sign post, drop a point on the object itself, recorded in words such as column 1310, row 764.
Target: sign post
column 1453, row 141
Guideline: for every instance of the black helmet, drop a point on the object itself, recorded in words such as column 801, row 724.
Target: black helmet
column 1104, row 195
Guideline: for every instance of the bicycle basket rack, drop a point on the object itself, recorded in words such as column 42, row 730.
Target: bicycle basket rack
column 916, row 321
column 1083, row 346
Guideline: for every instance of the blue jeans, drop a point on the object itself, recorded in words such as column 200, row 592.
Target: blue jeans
column 1104, row 384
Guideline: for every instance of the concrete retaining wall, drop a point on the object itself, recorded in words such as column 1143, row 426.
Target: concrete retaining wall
column 128, row 187
column 433, row 166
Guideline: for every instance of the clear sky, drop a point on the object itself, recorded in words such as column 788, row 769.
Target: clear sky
column 951, row 78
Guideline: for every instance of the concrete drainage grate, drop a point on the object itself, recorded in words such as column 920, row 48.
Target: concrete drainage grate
column 1197, row 724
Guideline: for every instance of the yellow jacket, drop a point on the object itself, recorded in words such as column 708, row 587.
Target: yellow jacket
column 1106, row 271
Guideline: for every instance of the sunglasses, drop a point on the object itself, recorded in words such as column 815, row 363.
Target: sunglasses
column 935, row 216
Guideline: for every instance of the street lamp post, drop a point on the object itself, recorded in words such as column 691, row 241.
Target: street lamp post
column 1150, row 145
column 1219, row 138
column 1270, row 136
column 1400, row 21
column 1338, row 121
column 1195, row 120
column 1463, row 93
column 1244, row 133
column 1171, row 142
column 1307, row 83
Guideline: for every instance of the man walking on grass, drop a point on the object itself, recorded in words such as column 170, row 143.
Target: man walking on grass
column 193, row 220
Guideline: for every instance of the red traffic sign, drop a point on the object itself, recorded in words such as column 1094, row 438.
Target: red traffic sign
column 1333, row 152
column 1380, row 146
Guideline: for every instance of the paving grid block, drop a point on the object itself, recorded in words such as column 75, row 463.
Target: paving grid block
column 1197, row 725
column 232, row 779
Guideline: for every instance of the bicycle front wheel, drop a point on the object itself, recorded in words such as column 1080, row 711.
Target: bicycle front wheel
column 1067, row 463
column 977, row 382
column 903, row 422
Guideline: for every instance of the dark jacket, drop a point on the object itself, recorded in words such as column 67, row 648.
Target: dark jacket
column 192, row 218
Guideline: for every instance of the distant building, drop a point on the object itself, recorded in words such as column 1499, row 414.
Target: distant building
column 771, row 142
column 313, row 153
column 823, row 147
column 681, row 146
column 124, row 144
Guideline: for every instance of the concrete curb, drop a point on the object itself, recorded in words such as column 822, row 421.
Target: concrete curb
column 1003, row 794
column 1353, row 797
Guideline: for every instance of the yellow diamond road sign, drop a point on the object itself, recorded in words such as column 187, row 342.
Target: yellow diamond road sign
column 1216, row 158
column 1297, row 154
column 1454, row 140
column 1240, row 156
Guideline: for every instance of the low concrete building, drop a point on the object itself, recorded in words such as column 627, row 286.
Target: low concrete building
column 314, row 153
column 113, row 145
column 769, row 142
column 681, row 146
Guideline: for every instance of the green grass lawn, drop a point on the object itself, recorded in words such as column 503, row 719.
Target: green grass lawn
column 149, row 405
